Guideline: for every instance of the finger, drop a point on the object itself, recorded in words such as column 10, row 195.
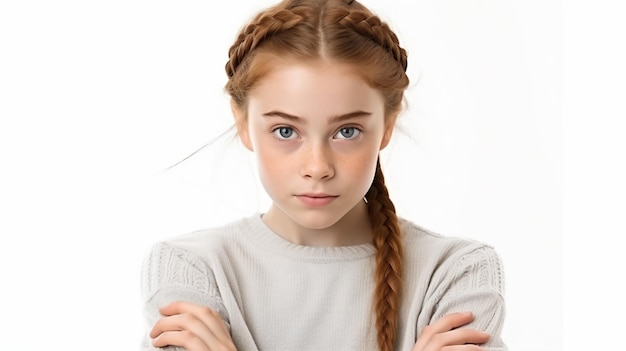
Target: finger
column 176, row 307
column 208, row 316
column 443, row 324
column 451, row 321
column 460, row 336
column 178, row 322
column 462, row 348
column 183, row 338
column 211, row 328
column 453, row 340
column 443, row 332
column 192, row 327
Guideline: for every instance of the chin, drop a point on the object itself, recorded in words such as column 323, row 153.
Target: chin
column 316, row 220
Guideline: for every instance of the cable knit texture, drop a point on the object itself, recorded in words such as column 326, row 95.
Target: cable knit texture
column 277, row 296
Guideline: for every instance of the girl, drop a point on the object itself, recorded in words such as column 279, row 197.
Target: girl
column 316, row 87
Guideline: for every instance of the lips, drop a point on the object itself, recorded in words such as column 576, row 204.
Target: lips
column 316, row 199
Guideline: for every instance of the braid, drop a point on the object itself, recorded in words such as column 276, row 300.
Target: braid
column 263, row 26
column 370, row 26
column 389, row 261
column 342, row 31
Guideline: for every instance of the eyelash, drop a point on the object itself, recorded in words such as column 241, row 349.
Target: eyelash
column 277, row 132
column 352, row 128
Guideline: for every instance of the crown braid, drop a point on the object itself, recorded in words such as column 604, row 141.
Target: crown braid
column 389, row 260
column 263, row 26
column 370, row 26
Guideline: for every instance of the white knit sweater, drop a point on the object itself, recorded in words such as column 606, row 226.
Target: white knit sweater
column 278, row 296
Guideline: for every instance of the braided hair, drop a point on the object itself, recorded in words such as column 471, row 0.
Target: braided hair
column 347, row 32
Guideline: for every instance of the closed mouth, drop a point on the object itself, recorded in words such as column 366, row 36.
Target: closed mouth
column 317, row 196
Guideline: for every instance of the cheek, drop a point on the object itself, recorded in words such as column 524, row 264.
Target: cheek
column 360, row 166
column 272, row 166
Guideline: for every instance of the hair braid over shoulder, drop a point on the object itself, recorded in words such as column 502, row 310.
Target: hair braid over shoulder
column 389, row 260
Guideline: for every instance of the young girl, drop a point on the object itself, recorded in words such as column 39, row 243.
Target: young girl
column 316, row 87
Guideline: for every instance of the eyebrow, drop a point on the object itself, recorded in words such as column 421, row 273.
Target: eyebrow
column 334, row 119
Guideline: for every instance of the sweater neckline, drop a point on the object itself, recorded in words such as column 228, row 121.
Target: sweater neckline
column 263, row 236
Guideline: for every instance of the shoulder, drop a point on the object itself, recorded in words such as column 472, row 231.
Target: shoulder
column 190, row 260
column 419, row 238
column 196, row 252
column 448, row 257
column 207, row 242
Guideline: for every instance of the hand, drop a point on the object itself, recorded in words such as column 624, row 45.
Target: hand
column 443, row 335
column 191, row 326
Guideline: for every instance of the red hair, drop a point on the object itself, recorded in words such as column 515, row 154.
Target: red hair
column 343, row 32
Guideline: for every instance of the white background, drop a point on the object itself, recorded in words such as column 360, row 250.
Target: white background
column 97, row 99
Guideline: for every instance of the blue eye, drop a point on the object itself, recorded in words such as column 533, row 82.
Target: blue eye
column 284, row 132
column 348, row 133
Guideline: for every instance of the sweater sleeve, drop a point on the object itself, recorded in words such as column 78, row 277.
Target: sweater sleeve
column 173, row 274
column 476, row 283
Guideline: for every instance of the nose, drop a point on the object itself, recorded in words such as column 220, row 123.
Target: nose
column 317, row 162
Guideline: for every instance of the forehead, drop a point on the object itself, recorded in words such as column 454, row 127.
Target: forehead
column 318, row 87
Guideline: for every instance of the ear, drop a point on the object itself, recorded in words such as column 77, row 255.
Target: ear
column 241, row 123
column 390, row 124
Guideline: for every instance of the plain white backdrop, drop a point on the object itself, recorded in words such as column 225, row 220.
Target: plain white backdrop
column 99, row 98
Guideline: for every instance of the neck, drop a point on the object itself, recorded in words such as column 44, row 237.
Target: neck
column 353, row 228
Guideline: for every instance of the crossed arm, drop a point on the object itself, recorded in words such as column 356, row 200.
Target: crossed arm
column 195, row 326
column 199, row 328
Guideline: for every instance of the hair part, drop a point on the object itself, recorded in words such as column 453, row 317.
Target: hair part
column 344, row 32
column 335, row 30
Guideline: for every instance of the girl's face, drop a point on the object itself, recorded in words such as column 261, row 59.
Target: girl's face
column 316, row 129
